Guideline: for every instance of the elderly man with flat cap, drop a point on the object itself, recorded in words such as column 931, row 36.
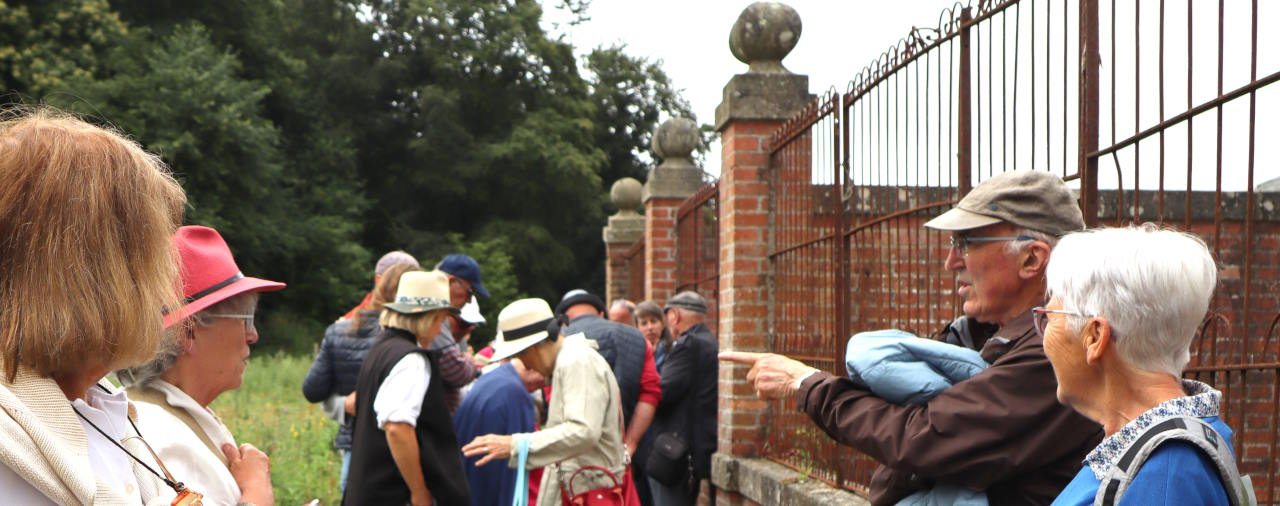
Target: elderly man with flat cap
column 1001, row 431
column 690, row 384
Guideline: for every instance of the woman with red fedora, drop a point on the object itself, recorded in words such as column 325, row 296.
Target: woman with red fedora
column 404, row 448
column 85, row 266
column 204, row 354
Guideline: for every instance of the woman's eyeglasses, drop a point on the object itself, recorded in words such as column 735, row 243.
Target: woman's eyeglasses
column 1041, row 316
column 248, row 319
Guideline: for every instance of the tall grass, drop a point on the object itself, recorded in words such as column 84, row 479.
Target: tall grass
column 268, row 411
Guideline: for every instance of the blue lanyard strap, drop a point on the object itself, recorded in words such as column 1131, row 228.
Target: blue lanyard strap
column 521, row 496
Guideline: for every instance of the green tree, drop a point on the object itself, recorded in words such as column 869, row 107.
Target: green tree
column 44, row 44
column 316, row 134
column 184, row 99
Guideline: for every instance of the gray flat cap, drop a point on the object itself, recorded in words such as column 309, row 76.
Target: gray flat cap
column 689, row 301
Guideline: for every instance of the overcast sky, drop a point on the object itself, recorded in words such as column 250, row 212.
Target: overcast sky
column 691, row 38
column 840, row 37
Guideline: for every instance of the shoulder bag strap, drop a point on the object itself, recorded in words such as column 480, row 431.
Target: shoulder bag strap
column 1189, row 429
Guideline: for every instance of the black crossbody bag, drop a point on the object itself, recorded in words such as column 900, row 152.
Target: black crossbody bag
column 669, row 460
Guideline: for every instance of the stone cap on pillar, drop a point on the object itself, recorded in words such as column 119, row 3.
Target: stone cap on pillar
column 763, row 35
column 677, row 176
column 626, row 226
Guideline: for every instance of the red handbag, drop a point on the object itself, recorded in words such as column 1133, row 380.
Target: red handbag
column 603, row 496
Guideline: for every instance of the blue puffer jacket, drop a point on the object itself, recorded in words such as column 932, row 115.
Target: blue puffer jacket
column 901, row 368
column 338, row 364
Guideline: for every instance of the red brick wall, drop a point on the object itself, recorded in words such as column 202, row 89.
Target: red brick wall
column 744, row 268
column 660, row 248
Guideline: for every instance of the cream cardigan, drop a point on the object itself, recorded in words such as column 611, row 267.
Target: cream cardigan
column 195, row 458
column 43, row 442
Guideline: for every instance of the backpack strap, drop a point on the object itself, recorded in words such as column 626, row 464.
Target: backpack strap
column 1182, row 428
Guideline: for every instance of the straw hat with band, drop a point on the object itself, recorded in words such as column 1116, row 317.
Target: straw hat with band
column 209, row 273
column 1031, row 199
column 522, row 324
column 420, row 292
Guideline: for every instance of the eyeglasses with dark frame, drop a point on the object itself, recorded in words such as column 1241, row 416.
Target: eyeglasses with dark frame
column 1041, row 317
column 470, row 292
column 960, row 243
column 248, row 319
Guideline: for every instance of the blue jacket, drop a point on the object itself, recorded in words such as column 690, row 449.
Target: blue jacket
column 497, row 404
column 1176, row 473
column 337, row 366
column 903, row 369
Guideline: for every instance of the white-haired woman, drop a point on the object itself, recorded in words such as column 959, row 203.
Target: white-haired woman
column 1125, row 304
column 204, row 354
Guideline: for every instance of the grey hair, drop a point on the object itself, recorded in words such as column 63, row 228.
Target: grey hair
column 631, row 306
column 171, row 347
column 1035, row 235
column 1153, row 286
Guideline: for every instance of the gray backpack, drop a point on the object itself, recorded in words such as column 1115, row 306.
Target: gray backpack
column 1183, row 428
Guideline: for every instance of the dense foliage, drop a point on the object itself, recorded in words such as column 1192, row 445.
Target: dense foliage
column 316, row 135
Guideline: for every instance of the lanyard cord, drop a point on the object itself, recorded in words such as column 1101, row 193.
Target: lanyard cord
column 177, row 486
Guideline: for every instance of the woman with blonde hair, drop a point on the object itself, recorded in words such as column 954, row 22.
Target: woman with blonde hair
column 85, row 269
column 404, row 448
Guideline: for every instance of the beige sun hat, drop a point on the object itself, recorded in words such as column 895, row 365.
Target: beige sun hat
column 521, row 324
column 420, row 292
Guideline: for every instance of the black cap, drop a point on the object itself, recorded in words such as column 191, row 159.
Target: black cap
column 579, row 296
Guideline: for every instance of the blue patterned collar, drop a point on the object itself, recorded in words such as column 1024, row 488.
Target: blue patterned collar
column 1201, row 401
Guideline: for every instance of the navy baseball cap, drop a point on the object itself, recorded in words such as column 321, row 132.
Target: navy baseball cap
column 465, row 267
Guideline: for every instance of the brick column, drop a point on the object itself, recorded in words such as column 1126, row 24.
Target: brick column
column 754, row 105
column 669, row 184
column 624, row 229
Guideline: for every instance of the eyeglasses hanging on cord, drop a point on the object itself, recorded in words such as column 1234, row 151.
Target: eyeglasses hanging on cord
column 185, row 497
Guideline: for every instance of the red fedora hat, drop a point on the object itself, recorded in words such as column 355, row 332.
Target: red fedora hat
column 209, row 273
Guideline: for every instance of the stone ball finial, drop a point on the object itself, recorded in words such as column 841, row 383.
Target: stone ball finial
column 675, row 138
column 625, row 194
column 763, row 35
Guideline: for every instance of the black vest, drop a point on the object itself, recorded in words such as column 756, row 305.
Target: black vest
column 374, row 478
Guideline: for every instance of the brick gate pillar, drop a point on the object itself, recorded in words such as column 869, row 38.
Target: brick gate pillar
column 669, row 184
column 754, row 105
column 624, row 229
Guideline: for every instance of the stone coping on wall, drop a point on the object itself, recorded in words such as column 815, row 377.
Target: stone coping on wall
column 880, row 200
column 766, row 482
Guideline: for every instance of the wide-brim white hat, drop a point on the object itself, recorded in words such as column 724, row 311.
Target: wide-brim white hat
column 420, row 292
column 521, row 324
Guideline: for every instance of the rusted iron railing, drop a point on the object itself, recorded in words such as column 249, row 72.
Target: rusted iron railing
column 998, row 86
column 1176, row 94
column 698, row 248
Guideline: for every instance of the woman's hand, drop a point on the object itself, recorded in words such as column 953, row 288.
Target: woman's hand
column 490, row 446
column 252, row 471
column 349, row 404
